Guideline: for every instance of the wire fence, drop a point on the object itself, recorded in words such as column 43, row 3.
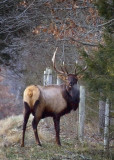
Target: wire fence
column 87, row 123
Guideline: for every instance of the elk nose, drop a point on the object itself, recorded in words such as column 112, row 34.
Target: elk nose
column 70, row 84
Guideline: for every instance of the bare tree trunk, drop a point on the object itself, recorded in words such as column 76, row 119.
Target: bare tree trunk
column 81, row 114
column 106, row 128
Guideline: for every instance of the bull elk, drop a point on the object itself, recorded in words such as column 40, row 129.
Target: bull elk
column 51, row 101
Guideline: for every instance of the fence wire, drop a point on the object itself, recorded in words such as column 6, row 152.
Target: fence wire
column 92, row 134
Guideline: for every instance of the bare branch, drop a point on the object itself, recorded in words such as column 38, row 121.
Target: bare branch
column 84, row 43
column 101, row 25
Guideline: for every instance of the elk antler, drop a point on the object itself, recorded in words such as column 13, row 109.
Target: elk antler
column 63, row 71
column 76, row 73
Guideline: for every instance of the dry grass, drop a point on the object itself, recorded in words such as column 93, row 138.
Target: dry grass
column 10, row 123
column 11, row 131
column 10, row 137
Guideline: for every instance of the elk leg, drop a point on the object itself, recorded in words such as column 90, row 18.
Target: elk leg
column 34, row 125
column 26, row 117
column 57, row 129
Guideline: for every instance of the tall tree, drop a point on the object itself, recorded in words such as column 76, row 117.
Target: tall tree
column 100, row 73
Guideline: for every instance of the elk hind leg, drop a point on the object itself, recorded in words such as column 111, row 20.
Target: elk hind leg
column 26, row 117
column 34, row 125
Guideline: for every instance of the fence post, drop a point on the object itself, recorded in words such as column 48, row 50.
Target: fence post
column 45, row 77
column 106, row 128
column 47, row 80
column 81, row 114
column 49, row 77
column 58, row 80
column 101, row 116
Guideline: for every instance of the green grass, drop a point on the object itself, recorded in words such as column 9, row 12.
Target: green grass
column 71, row 149
column 50, row 151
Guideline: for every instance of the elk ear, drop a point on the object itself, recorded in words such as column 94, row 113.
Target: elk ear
column 79, row 76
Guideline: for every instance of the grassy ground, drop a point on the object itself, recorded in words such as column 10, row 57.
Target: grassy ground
column 50, row 151
column 10, row 136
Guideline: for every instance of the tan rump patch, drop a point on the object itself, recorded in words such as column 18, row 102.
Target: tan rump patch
column 31, row 95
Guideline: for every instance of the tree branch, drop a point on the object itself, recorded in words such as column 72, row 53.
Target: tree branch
column 84, row 43
column 100, row 25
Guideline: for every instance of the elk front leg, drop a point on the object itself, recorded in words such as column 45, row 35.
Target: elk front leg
column 56, row 120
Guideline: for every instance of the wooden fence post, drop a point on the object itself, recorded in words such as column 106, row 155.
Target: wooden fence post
column 81, row 114
column 47, row 80
column 47, row 77
column 101, row 114
column 58, row 80
column 106, row 128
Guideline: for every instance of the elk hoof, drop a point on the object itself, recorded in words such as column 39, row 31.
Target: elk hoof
column 59, row 144
column 39, row 144
column 22, row 145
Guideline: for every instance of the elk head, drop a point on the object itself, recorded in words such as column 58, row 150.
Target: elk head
column 70, row 79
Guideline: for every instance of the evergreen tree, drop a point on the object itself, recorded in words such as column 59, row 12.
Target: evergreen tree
column 100, row 73
column 106, row 8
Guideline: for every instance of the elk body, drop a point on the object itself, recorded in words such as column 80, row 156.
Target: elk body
column 50, row 101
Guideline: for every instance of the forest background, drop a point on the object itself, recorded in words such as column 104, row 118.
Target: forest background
column 83, row 31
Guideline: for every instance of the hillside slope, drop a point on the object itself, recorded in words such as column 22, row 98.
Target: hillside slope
column 10, row 137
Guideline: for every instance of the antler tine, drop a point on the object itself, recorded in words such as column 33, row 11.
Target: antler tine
column 82, row 70
column 75, row 67
column 64, row 68
column 53, row 61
